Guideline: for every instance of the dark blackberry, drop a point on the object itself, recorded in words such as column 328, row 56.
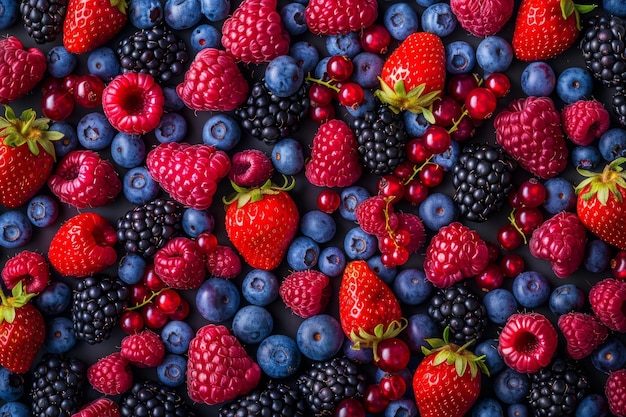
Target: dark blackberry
column 618, row 103
column 58, row 386
column 381, row 136
column 97, row 304
column 269, row 117
column 156, row 51
column 325, row 384
column 43, row 19
column 147, row 228
column 557, row 389
column 602, row 45
column 152, row 399
column 461, row 310
column 482, row 180
column 276, row 400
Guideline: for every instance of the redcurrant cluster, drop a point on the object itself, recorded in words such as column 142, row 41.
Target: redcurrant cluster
column 59, row 95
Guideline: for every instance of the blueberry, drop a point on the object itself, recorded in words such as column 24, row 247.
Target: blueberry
column 616, row 7
column 411, row 286
column 317, row 225
column 15, row 229
column 60, row 62
column 500, row 304
column 215, row 10
column 351, row 197
column 487, row 407
column 292, row 16
column 438, row 210
column 586, row 157
column 221, row 131
column 320, row 69
column 205, row 36
column 217, row 299
column 426, row 3
column 60, row 336
column 419, row 328
column 359, row 245
column 494, row 54
column 15, row 409
column 9, row 14
column 196, row 222
column 400, row 20
column 368, row 104
column 566, row 298
column 415, row 124
column 518, row 410
column 144, row 14
column 131, row 268
column 42, row 210
column 402, row 407
column 103, row 62
column 11, row 385
column 609, row 356
column 182, row 14
column 360, row 355
column 510, row 386
column 348, row 44
column 332, row 261
column 172, row 128
column 439, row 20
column 560, row 195
column 288, row 156
column 139, row 187
column 367, row 68
column 593, row 405
column 573, row 84
column 283, row 76
column 460, row 57
column 278, row 356
column 252, row 324
column 612, row 144
column 385, row 273
column 171, row 371
column 597, row 256
column 176, row 336
column 302, row 253
column 94, row 131
column 172, row 101
column 260, row 287
column 54, row 299
column 493, row 360
column 531, row 289
column 68, row 142
column 305, row 54
column 447, row 159
column 538, row 79
column 128, row 151
column 320, row 337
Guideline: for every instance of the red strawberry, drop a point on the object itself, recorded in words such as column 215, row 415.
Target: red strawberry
column 92, row 23
column 20, row 70
column 213, row 82
column 583, row 333
column 368, row 310
column 83, row 179
column 26, row 156
column 83, row 245
column 261, row 223
column 28, row 267
column 219, row 368
column 615, row 391
column 530, row 131
column 414, row 75
column 584, row 121
column 375, row 215
column 447, row 381
column 561, row 240
column 454, row 253
column 601, row 203
column 223, row 262
column 144, row 349
column 101, row 407
column 22, row 330
column 482, row 17
column 180, row 264
column 334, row 156
column 254, row 33
column 306, row 293
column 546, row 28
column 111, row 375
column 189, row 173
column 608, row 302
column 339, row 17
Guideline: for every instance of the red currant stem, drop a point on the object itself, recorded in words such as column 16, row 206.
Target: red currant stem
column 146, row 300
column 328, row 84
column 511, row 219
column 387, row 226
column 417, row 169
column 455, row 126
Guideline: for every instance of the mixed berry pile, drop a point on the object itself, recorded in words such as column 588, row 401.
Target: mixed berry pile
column 339, row 208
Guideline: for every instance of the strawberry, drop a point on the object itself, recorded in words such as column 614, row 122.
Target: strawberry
column 261, row 222
column 306, row 292
column 414, row 75
column 546, row 28
column 369, row 312
column 100, row 407
column 144, row 349
column 28, row 267
column 482, row 17
column 583, row 333
column 340, row 17
column 20, row 70
column 89, row 24
column 180, row 264
column 83, row 245
column 26, row 156
column 447, row 381
column 22, row 330
column 111, row 375
column 601, row 203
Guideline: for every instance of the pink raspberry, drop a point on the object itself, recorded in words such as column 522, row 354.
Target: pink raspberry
column 223, row 262
column 584, row 121
column 180, row 264
column 111, row 375
column 306, row 293
column 608, row 302
column 582, row 332
column 144, row 349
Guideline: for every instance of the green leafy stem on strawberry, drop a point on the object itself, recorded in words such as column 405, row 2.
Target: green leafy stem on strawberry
column 29, row 130
column 452, row 354
column 244, row 196
column 414, row 101
column 601, row 185
column 18, row 298
column 366, row 340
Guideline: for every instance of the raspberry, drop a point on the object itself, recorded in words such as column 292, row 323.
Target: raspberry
column 584, row 121
column 223, row 262
column 306, row 293
column 608, row 302
column 111, row 375
column 615, row 390
column 20, row 70
column 376, row 217
column 101, row 407
column 144, row 349
column 583, row 333
column 483, row 17
column 180, row 264
column 339, row 17
column 527, row 342
column 29, row 267
column 414, row 225
column 250, row 168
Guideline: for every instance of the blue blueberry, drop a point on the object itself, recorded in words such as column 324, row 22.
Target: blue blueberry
column 94, row 131
column 573, row 84
column 351, row 197
column 518, row 410
column 494, row 54
column 612, row 144
column 54, row 299
column 359, row 245
column 278, row 356
column 302, row 253
column 609, row 356
column 215, row 10
column 566, row 298
column 400, row 20
column 283, row 76
column 221, row 131
column 317, row 225
column 616, row 7
column 320, row 69
column 287, row 156
column 500, row 303
column 205, row 36
column 360, row 355
column 68, row 142
column 586, row 157
column 15, row 409
column 402, row 407
column 438, row 210
column 260, row 287
column 597, row 256
column 172, row 101
column 411, row 286
column 439, row 20
column 196, row 222
column 419, row 328
column 593, row 405
column 426, row 3
column 60, row 61
column 348, row 44
column 144, row 14
column 128, row 151
column 367, row 69
column 42, row 210
column 171, row 372
column 9, row 13
column 131, row 268
column 538, row 79
column 252, row 324
column 320, row 337
column 332, row 261
column 385, row 273
column 460, row 57
column 560, row 195
column 446, row 160
column 510, row 386
column 60, row 336
column 415, row 124
column 176, row 336
column 493, row 360
column 531, row 289
column 138, row 186
column 292, row 16
column 182, row 14
column 487, row 407
column 305, row 54
column 15, row 229
column 368, row 104
column 172, row 128
column 217, row 299
column 12, row 385
column 103, row 62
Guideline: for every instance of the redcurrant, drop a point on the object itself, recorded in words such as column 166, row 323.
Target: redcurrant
column 415, row 192
column 373, row 400
column 320, row 95
column 88, row 91
column 490, row 278
column 153, row 317
column 390, row 186
column 480, row 103
column 532, row 193
column 498, row 83
column 339, row 67
column 182, row 311
column 392, row 355
column 349, row 407
column 528, row 219
column 167, row 301
column 393, row 386
column 322, row 114
column 431, row 175
column 375, row 39
column 351, row 95
column 152, row 280
column 512, row 265
column 416, row 152
column 618, row 265
column 509, row 237
column 131, row 322
column 57, row 104
column 328, row 201
column 446, row 111
column 459, row 86
column 436, row 139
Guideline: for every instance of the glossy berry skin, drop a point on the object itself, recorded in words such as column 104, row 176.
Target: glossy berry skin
column 480, row 103
column 494, row 54
column 532, row 193
column 436, row 139
column 217, row 299
column 349, row 407
column 538, row 79
column 460, row 57
column 375, row 39
column 509, row 237
column 574, row 84
column 512, row 265
column 393, row 355
column 531, row 289
column 260, row 287
column 499, row 84
column 88, row 91
column 319, row 337
column 566, row 298
column 16, row 229
column 57, row 104
column 339, row 68
column 138, row 186
column 328, row 201
column 221, row 131
column 374, row 400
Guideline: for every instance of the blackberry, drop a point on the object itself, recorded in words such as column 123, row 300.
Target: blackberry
column 461, row 310
column 152, row 399
column 156, row 51
column 602, row 46
column 557, row 389
column 269, row 117
column 97, row 304
column 58, row 386
column 147, row 228
column 618, row 103
column 483, row 177
column 43, row 19
column 276, row 400
column 325, row 384
column 381, row 136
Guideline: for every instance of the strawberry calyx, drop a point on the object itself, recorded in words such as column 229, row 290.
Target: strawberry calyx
column 452, row 354
column 568, row 7
column 19, row 298
column 29, row 130
column 244, row 195
column 121, row 5
column 367, row 340
column 414, row 100
column 603, row 184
